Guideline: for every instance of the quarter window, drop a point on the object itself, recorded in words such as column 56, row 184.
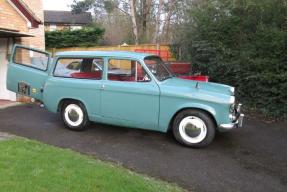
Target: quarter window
column 126, row 70
column 81, row 68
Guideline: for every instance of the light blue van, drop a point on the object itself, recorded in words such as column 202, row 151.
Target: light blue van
column 123, row 88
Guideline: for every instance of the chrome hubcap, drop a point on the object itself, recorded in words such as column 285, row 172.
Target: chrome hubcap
column 192, row 129
column 74, row 115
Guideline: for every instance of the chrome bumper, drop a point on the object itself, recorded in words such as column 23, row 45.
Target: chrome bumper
column 237, row 123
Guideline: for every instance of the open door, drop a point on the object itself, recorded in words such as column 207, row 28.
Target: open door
column 27, row 71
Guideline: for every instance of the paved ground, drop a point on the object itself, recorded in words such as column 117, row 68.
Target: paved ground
column 4, row 104
column 253, row 158
column 5, row 136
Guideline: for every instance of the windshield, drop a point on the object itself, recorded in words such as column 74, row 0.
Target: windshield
column 158, row 68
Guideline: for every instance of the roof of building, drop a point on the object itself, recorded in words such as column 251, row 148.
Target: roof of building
column 26, row 12
column 122, row 54
column 67, row 17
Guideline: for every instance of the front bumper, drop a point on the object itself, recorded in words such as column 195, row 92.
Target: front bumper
column 238, row 122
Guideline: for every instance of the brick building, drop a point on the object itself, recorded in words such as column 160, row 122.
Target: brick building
column 21, row 22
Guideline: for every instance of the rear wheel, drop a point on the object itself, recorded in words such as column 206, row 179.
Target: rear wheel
column 74, row 116
column 194, row 128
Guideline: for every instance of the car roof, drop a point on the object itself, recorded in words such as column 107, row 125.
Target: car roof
column 123, row 54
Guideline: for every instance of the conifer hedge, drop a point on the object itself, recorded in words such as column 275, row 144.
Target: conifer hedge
column 242, row 43
column 85, row 37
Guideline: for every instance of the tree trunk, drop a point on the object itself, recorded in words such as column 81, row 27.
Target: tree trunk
column 146, row 6
column 134, row 21
column 167, row 21
column 157, row 26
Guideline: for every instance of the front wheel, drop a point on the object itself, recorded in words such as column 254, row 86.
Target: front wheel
column 74, row 116
column 194, row 128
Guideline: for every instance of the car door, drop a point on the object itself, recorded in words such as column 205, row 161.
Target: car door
column 28, row 71
column 129, row 95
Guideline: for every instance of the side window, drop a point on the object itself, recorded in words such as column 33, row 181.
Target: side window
column 31, row 58
column 126, row 70
column 81, row 68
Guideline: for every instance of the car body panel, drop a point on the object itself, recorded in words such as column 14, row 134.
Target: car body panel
column 131, row 101
column 19, row 74
column 147, row 105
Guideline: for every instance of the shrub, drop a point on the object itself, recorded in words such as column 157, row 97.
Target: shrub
column 242, row 43
column 85, row 37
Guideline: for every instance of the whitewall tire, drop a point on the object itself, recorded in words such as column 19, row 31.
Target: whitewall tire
column 194, row 128
column 74, row 116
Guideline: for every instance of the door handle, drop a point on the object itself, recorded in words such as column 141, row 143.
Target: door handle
column 103, row 87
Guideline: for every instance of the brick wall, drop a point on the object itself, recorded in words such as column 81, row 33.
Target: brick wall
column 10, row 18
column 39, row 40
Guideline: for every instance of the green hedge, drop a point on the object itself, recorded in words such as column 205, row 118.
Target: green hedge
column 74, row 38
column 241, row 43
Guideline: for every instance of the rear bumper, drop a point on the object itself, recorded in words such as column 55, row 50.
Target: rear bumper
column 238, row 122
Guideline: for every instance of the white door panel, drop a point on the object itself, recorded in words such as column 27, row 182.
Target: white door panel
column 4, row 93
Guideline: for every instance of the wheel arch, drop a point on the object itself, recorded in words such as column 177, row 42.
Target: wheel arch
column 209, row 113
column 64, row 100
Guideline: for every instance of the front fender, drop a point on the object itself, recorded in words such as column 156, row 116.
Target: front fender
column 168, row 111
column 201, row 106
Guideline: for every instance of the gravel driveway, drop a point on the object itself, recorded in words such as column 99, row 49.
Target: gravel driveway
column 253, row 158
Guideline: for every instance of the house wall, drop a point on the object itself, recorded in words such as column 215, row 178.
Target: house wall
column 10, row 18
column 4, row 93
column 62, row 26
column 38, row 41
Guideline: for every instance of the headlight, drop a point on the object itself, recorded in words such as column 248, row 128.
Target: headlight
column 232, row 90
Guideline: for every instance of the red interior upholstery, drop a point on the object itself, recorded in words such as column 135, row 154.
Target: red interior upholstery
column 121, row 78
column 87, row 75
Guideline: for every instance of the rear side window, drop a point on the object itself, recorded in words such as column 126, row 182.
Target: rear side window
column 31, row 58
column 126, row 70
column 80, row 68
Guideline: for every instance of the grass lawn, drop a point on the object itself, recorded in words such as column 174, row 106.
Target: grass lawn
column 27, row 165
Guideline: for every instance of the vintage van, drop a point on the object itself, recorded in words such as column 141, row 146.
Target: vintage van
column 123, row 88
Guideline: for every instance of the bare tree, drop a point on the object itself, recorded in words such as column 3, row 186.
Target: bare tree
column 166, row 27
column 151, row 17
column 157, row 24
column 145, row 12
column 134, row 20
